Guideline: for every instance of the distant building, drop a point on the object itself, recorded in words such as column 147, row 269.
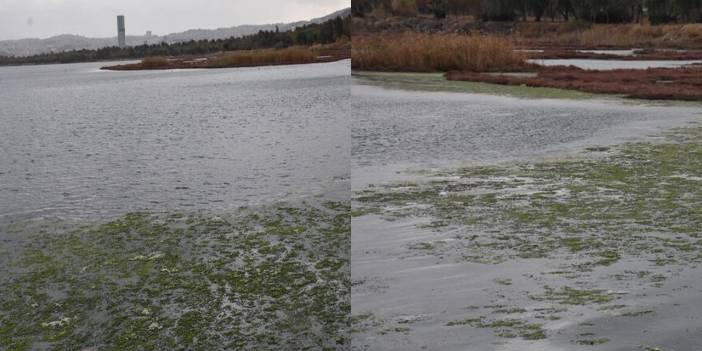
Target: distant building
column 121, row 36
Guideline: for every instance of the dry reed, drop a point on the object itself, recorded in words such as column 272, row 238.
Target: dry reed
column 154, row 62
column 262, row 57
column 434, row 52
column 614, row 35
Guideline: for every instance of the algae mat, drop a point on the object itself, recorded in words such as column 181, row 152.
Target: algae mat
column 593, row 251
column 264, row 279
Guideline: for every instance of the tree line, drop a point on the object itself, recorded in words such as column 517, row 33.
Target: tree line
column 323, row 33
column 599, row 11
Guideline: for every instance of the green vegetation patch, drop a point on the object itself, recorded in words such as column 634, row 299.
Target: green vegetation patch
column 263, row 279
column 634, row 203
column 506, row 328
column 641, row 199
column 570, row 296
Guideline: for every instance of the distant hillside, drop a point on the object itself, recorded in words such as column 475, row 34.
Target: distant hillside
column 67, row 42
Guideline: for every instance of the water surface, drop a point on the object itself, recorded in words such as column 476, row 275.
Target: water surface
column 414, row 288
column 80, row 142
column 614, row 64
column 396, row 129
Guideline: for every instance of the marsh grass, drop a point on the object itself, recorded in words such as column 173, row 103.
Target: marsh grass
column 155, row 62
column 262, row 57
column 417, row 52
column 583, row 34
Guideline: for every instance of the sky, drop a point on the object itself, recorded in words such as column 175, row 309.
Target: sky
column 98, row 18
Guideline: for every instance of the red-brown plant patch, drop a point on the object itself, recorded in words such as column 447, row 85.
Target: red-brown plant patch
column 655, row 83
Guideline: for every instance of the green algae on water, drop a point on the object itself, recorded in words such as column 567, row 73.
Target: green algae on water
column 259, row 280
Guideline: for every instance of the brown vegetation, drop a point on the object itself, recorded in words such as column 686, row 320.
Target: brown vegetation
column 656, row 83
column 262, row 57
column 246, row 58
column 639, row 55
column 154, row 62
column 585, row 35
column 532, row 34
column 433, row 52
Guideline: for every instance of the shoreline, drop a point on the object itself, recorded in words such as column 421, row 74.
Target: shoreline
column 137, row 66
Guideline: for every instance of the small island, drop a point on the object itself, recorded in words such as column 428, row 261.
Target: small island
column 244, row 58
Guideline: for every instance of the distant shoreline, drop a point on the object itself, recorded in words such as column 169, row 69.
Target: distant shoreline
column 243, row 58
column 182, row 64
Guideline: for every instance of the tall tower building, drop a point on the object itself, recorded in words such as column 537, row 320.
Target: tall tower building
column 121, row 37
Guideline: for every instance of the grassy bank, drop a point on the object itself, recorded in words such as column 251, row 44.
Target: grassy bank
column 416, row 52
column 658, row 83
column 268, row 279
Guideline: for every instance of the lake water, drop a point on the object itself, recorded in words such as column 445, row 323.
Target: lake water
column 399, row 129
column 629, row 52
column 614, row 64
column 83, row 143
column 413, row 287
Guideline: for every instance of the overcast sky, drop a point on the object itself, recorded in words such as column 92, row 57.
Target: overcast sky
column 97, row 18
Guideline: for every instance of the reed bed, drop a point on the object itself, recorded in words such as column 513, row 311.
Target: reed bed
column 614, row 35
column 417, row 52
column 154, row 62
column 262, row 57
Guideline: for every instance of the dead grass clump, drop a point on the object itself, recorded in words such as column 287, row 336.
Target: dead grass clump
column 262, row 57
column 434, row 52
column 154, row 62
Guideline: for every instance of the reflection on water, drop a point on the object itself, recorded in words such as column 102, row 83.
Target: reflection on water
column 80, row 142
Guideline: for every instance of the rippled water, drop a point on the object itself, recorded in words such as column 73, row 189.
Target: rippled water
column 413, row 129
column 80, row 142
column 406, row 298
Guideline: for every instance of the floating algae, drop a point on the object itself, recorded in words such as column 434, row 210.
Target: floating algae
column 259, row 280
column 610, row 220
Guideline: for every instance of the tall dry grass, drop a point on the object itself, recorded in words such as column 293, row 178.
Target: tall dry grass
column 418, row 52
column 262, row 57
column 154, row 62
column 615, row 35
